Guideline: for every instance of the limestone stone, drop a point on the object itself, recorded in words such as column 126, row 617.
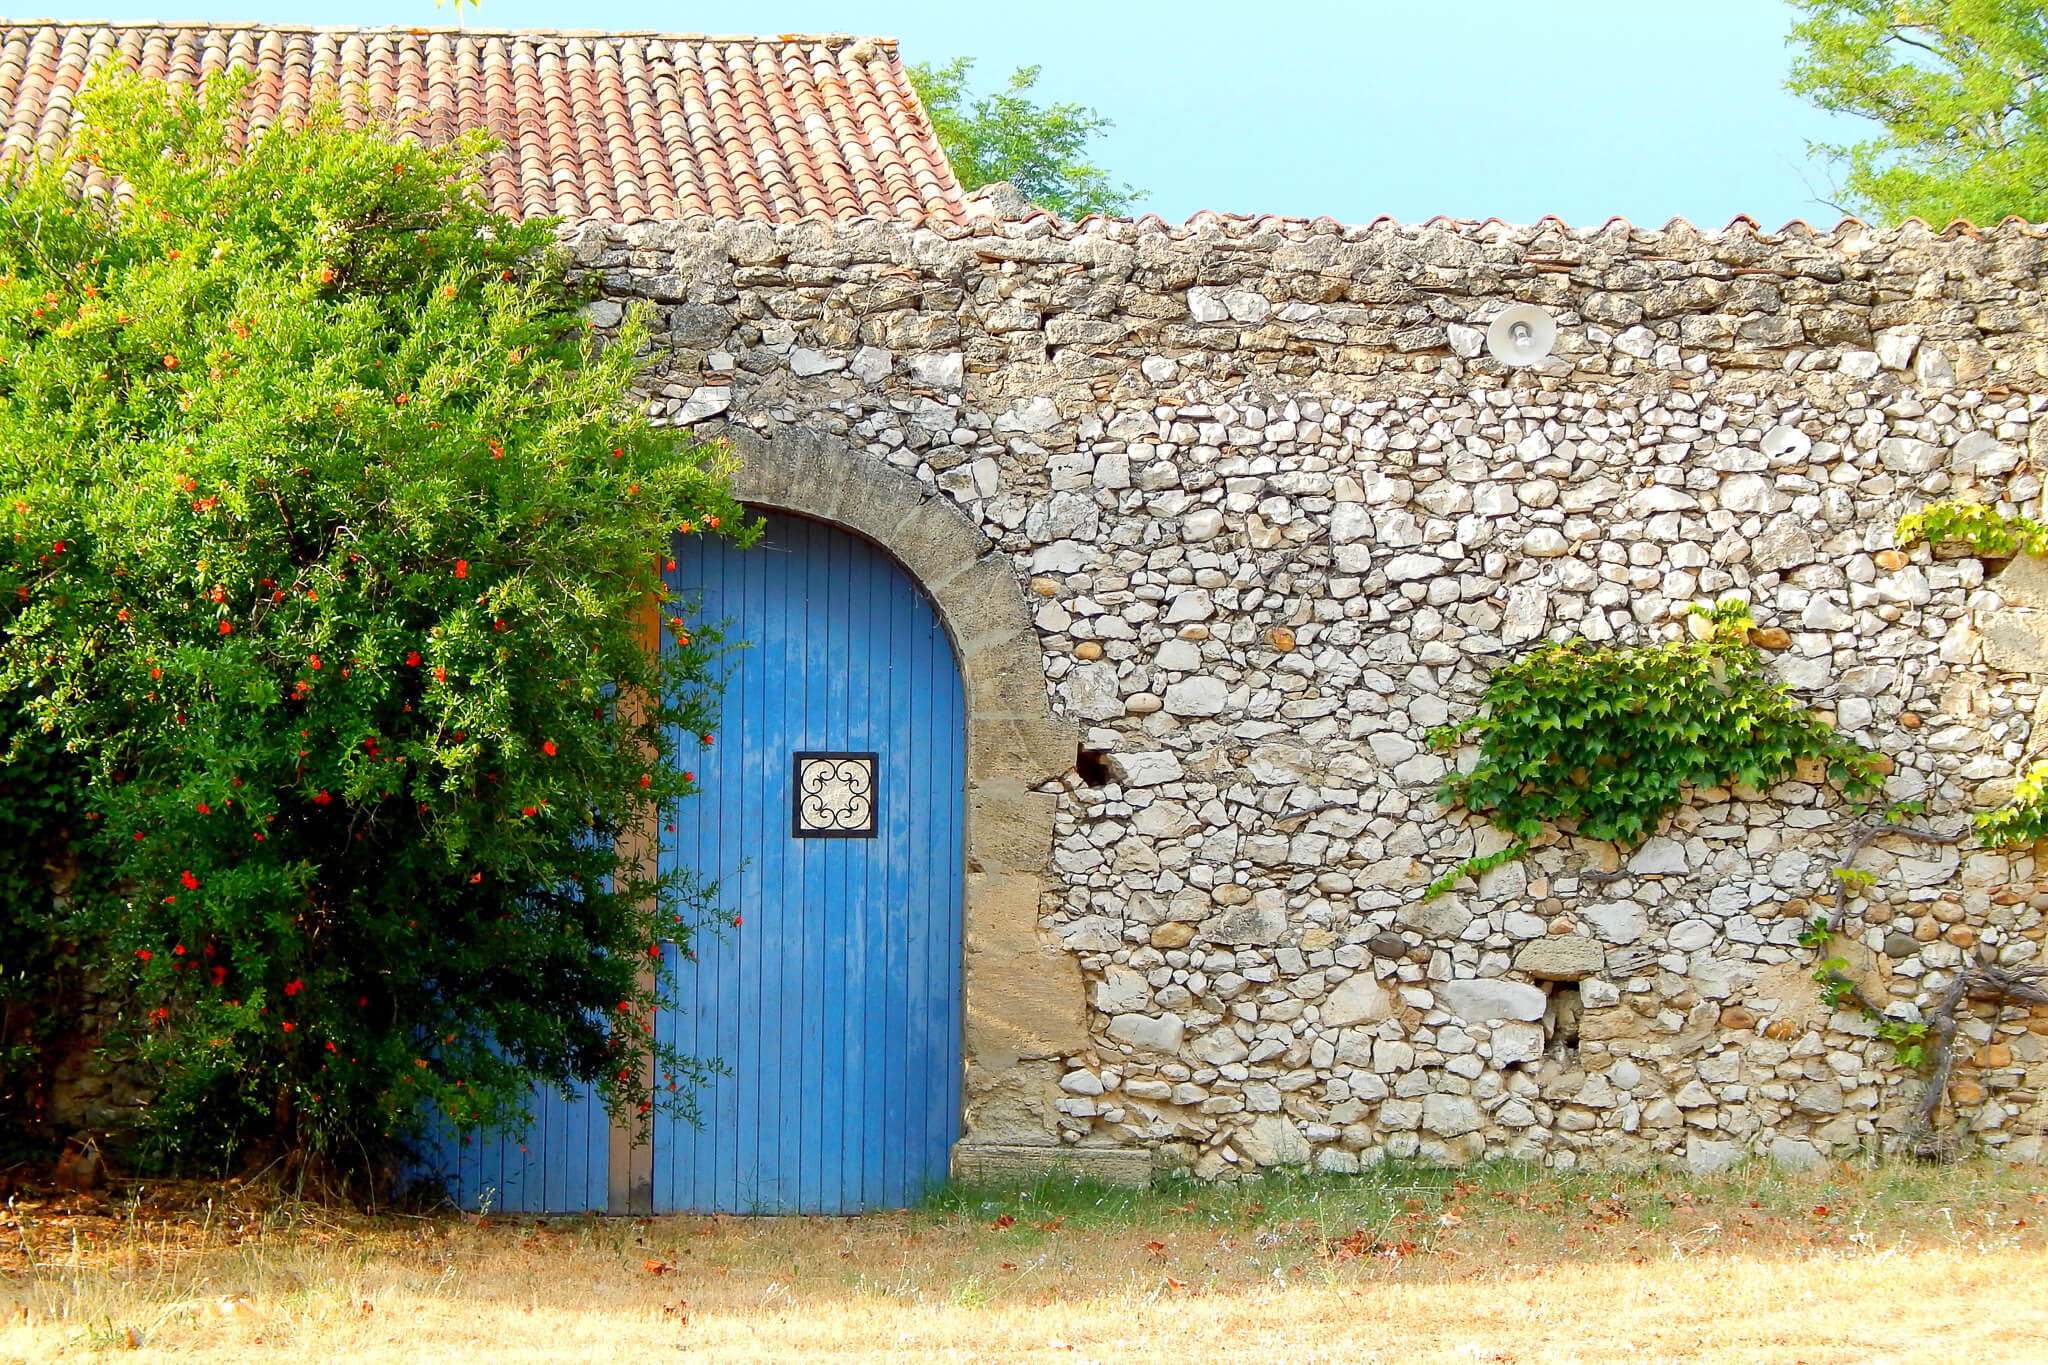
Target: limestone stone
column 949, row 371
column 1794, row 1155
column 1658, row 857
column 1145, row 768
column 1273, row 1140
column 1618, row 922
column 1148, row 1032
column 1561, row 957
column 1445, row 917
column 1689, row 935
column 1483, row 1000
column 1517, row 1043
column 1450, row 1115
column 1201, row 696
column 1262, row 925
column 1121, row 991
column 1357, row 1000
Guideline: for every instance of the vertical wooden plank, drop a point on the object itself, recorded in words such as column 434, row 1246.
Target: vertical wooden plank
column 825, row 662
column 783, row 856
column 923, row 830
column 625, row 1161
column 836, row 1001
column 902, row 777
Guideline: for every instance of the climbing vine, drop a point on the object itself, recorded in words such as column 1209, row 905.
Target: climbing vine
column 1991, row 533
column 1983, row 528
column 1610, row 736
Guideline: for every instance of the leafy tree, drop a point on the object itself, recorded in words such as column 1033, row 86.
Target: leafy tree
column 333, row 546
column 1958, row 88
column 1005, row 136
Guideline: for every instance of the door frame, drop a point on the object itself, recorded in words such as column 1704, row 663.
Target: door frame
column 1024, row 1004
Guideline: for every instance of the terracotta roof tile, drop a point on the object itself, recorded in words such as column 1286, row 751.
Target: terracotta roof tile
column 621, row 127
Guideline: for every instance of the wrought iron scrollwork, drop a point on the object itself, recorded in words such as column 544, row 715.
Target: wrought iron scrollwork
column 834, row 796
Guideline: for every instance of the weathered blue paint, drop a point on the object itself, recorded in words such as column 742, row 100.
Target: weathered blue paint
column 557, row 1164
column 836, row 1002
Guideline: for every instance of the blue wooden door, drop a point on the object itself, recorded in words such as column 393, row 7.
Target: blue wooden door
column 831, row 813
column 556, row 1164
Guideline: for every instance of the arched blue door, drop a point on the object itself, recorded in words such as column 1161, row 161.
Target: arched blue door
column 831, row 813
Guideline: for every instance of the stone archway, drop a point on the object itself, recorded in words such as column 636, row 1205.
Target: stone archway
column 1025, row 1006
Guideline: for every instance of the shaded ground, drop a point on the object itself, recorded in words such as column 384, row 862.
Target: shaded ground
column 1499, row 1264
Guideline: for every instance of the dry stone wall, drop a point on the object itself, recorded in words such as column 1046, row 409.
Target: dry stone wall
column 1277, row 514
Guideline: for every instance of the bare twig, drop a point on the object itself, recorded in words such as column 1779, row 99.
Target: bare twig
column 1868, row 833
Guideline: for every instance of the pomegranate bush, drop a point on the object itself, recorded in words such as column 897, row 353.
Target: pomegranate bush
column 333, row 555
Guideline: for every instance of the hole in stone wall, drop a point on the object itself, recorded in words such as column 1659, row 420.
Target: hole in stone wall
column 1093, row 766
column 1561, row 1018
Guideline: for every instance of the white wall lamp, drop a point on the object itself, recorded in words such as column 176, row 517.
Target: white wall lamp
column 1521, row 336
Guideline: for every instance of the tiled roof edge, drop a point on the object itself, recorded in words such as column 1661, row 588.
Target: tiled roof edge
column 1551, row 222
column 246, row 25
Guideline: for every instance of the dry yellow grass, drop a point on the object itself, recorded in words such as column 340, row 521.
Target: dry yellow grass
column 1504, row 1264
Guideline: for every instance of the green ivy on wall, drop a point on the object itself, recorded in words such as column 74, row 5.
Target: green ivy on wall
column 1608, row 737
column 1992, row 535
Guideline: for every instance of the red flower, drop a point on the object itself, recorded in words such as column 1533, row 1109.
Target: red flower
column 705, row 738
column 178, row 951
column 144, row 954
column 440, row 675
column 204, row 809
column 190, row 882
column 289, row 1026
column 138, row 833
column 413, row 659
column 58, row 547
column 548, row 747
column 646, row 780
column 159, row 1015
column 220, row 975
column 462, row 568
column 735, row 921
column 227, row 628
column 322, row 797
column 170, row 362
column 313, row 659
column 712, row 522
column 689, row 777
column 528, row 810
column 294, row 987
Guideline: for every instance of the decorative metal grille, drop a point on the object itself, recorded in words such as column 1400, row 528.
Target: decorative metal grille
column 834, row 796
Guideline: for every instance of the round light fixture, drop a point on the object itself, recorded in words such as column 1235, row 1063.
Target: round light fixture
column 1521, row 336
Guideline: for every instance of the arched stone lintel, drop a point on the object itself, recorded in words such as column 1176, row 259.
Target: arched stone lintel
column 1012, row 731
column 1025, row 1006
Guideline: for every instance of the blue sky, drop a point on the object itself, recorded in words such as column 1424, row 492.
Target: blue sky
column 1473, row 108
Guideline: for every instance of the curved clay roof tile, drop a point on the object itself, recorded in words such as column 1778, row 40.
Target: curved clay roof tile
column 624, row 126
